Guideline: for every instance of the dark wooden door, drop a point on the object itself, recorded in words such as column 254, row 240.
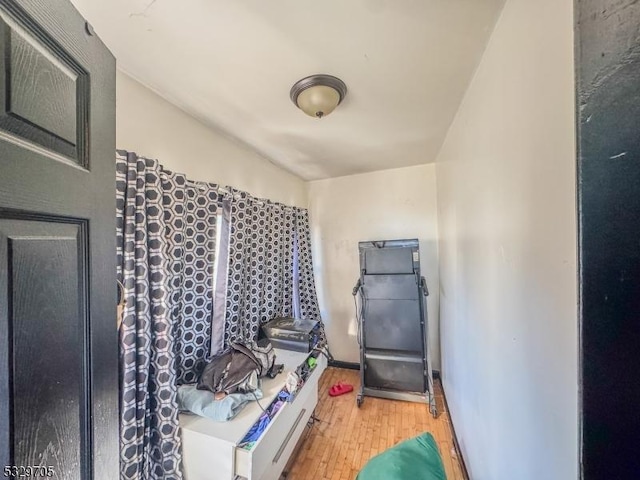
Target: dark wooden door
column 608, row 75
column 58, row 343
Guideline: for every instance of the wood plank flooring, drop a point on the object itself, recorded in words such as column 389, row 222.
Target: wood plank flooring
column 339, row 445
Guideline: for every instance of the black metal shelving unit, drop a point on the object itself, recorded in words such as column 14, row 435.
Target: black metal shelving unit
column 393, row 325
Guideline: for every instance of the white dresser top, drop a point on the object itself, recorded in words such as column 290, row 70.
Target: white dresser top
column 234, row 430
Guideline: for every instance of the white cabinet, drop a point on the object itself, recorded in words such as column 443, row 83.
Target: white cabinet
column 210, row 449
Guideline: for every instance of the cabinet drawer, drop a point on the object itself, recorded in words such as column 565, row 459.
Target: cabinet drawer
column 279, row 438
column 287, row 448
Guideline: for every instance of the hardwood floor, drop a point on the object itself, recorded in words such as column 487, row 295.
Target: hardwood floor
column 339, row 445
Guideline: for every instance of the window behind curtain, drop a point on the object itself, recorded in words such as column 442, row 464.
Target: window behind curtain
column 220, row 268
column 296, row 279
column 220, row 271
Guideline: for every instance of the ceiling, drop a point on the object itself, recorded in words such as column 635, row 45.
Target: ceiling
column 231, row 64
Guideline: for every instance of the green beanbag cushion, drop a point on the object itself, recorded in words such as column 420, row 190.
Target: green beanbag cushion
column 414, row 459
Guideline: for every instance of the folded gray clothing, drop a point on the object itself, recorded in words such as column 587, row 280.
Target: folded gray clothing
column 202, row 402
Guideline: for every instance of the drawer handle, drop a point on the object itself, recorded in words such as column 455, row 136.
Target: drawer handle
column 289, row 435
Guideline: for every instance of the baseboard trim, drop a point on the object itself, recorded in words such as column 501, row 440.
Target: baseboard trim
column 456, row 445
column 347, row 365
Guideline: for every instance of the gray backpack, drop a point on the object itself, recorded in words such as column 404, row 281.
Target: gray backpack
column 238, row 368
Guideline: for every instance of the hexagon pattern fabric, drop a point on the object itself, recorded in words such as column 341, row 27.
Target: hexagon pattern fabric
column 190, row 211
column 260, row 265
column 166, row 247
column 149, row 436
column 309, row 308
column 270, row 266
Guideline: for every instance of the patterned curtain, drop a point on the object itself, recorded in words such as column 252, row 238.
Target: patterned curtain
column 270, row 267
column 149, row 437
column 247, row 261
column 260, row 265
column 308, row 298
column 190, row 211
column 278, row 291
column 166, row 234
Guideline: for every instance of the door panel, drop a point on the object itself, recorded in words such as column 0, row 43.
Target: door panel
column 608, row 73
column 58, row 343
column 46, row 295
column 37, row 67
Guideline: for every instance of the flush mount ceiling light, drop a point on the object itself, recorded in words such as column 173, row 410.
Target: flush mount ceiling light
column 318, row 95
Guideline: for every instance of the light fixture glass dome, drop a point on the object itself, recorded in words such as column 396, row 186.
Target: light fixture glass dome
column 318, row 95
column 318, row 101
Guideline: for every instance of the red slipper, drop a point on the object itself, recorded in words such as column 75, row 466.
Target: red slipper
column 340, row 389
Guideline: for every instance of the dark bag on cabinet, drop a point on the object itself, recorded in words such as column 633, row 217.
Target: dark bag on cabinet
column 237, row 369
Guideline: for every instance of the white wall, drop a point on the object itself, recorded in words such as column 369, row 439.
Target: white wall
column 507, row 221
column 389, row 204
column 150, row 126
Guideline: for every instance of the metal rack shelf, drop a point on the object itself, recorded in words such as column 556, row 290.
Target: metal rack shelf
column 393, row 327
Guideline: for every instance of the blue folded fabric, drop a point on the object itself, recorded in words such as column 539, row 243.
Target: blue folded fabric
column 256, row 430
column 263, row 422
column 201, row 402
